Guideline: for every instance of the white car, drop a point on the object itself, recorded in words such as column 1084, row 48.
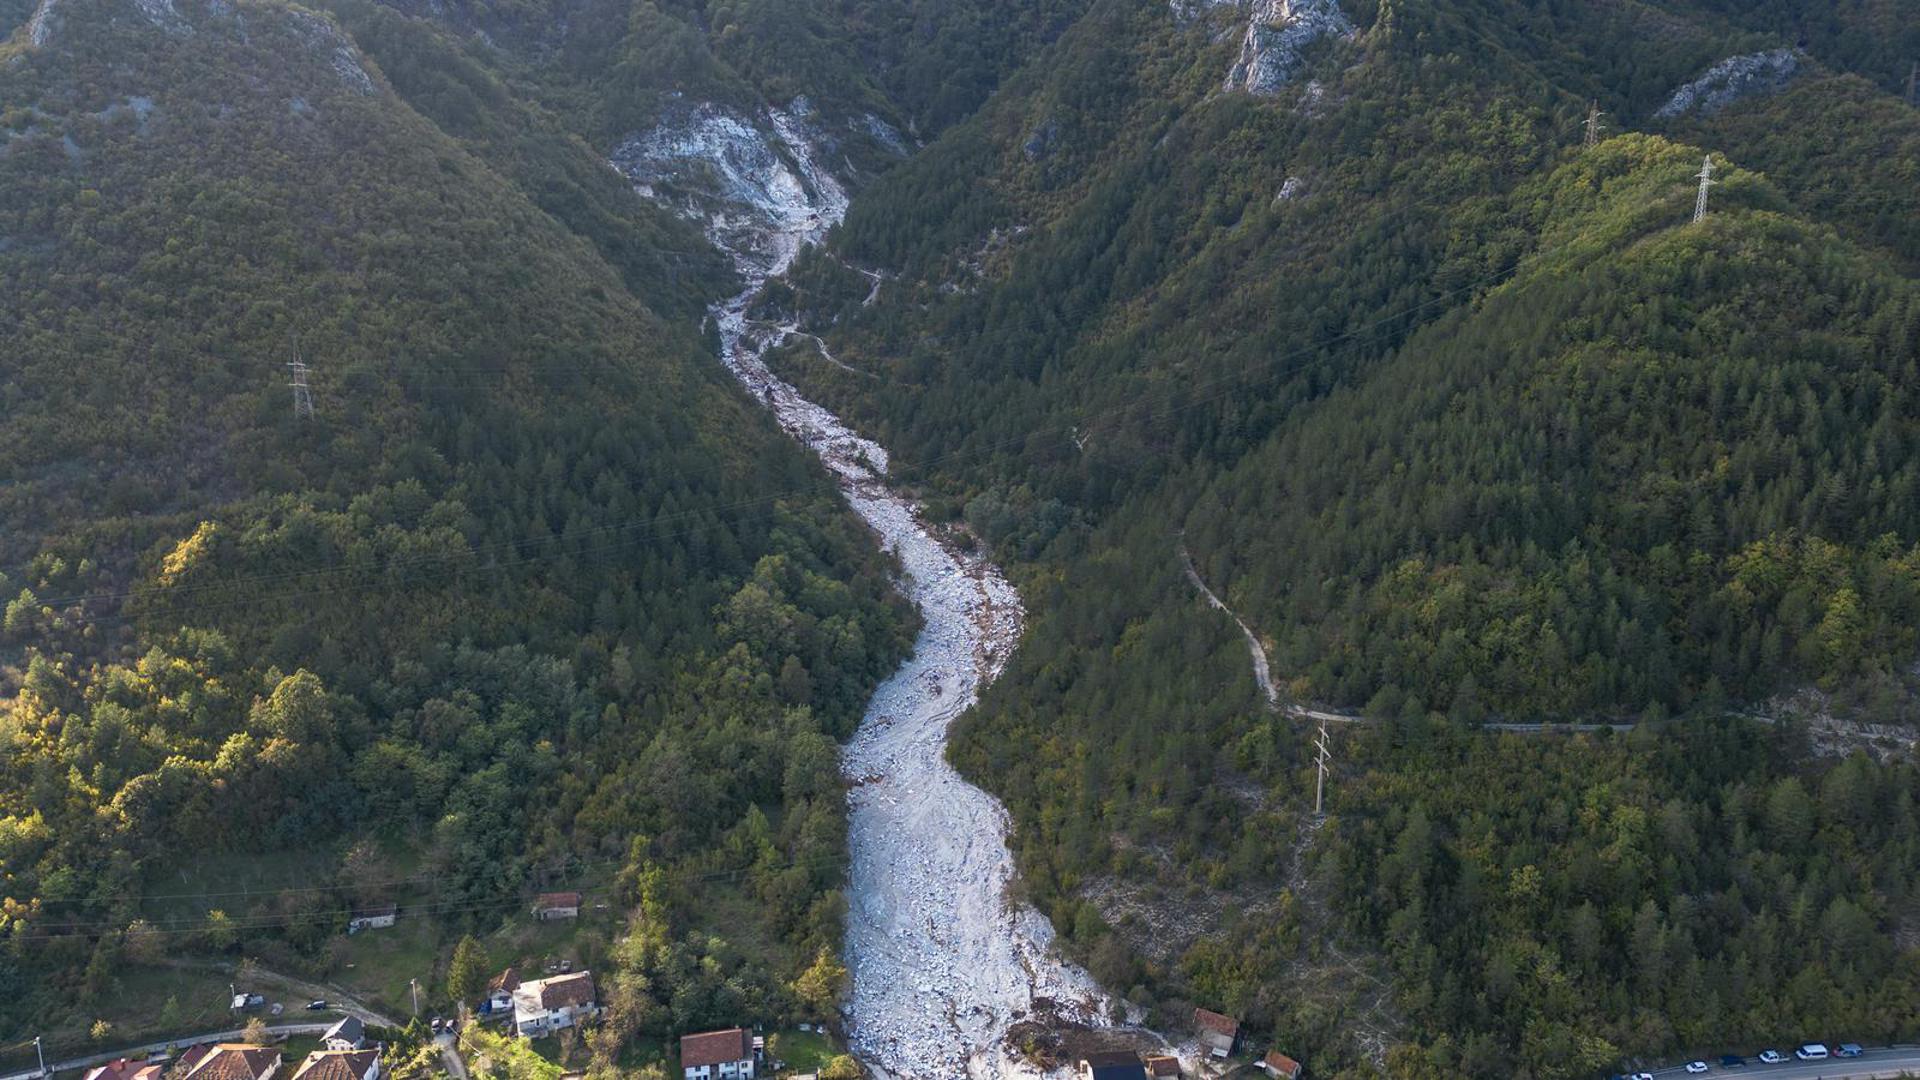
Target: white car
column 1772, row 1057
column 1696, row 1067
column 1811, row 1052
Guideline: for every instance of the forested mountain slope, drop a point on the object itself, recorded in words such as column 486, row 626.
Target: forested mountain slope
column 534, row 598
column 1469, row 422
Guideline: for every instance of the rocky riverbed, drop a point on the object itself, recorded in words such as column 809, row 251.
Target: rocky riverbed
column 943, row 965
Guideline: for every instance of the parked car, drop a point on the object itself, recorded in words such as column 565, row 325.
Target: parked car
column 316, row 1006
column 1694, row 1068
column 1811, row 1052
column 1732, row 1061
column 1848, row 1050
column 1772, row 1057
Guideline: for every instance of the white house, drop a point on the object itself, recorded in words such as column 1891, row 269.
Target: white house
column 717, row 1055
column 348, row 1034
column 373, row 918
column 543, row 1006
column 500, row 990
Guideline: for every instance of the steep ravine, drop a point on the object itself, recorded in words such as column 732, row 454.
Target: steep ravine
column 942, row 963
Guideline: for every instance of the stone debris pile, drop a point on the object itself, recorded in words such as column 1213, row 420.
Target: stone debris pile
column 942, row 963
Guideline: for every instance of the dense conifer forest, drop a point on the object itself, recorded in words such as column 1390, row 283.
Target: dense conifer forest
column 534, row 599
column 1471, row 424
column 1465, row 416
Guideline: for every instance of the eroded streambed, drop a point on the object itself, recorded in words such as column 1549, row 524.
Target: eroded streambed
column 942, row 964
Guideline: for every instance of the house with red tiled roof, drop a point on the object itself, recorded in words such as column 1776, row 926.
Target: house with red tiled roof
column 544, row 1006
column 190, row 1057
column 556, row 905
column 1218, row 1033
column 340, row 1065
column 1159, row 1065
column 1280, row 1065
column 717, row 1055
column 500, row 990
column 237, row 1061
column 126, row 1069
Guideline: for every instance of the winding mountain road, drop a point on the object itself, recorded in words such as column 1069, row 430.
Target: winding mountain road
column 1263, row 676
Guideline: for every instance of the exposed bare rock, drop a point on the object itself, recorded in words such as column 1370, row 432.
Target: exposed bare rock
column 754, row 180
column 1731, row 80
column 40, row 26
column 944, row 962
column 161, row 13
column 1277, row 36
column 327, row 38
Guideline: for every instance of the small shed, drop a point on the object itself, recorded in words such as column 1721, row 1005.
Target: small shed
column 1280, row 1065
column 556, row 905
column 1219, row 1033
column 378, row 917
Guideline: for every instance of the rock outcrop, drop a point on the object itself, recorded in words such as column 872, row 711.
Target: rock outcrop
column 1731, row 80
column 1277, row 36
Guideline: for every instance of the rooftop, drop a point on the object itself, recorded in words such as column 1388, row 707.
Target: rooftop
column 715, row 1047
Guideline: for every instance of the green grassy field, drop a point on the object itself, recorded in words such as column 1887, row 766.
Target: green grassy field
column 803, row 1051
column 378, row 965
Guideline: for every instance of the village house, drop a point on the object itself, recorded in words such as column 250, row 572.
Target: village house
column 1117, row 1065
column 1159, row 1065
column 234, row 1061
column 556, row 905
column 1280, row 1065
column 500, row 990
column 717, row 1055
column 348, row 1034
column 340, row 1065
column 1219, row 1034
column 373, row 918
column 543, row 1006
column 126, row 1069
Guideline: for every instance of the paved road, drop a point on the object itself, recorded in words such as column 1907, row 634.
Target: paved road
column 276, row 1030
column 1882, row 1063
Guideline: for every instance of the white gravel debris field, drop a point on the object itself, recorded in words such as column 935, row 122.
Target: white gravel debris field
column 942, row 963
